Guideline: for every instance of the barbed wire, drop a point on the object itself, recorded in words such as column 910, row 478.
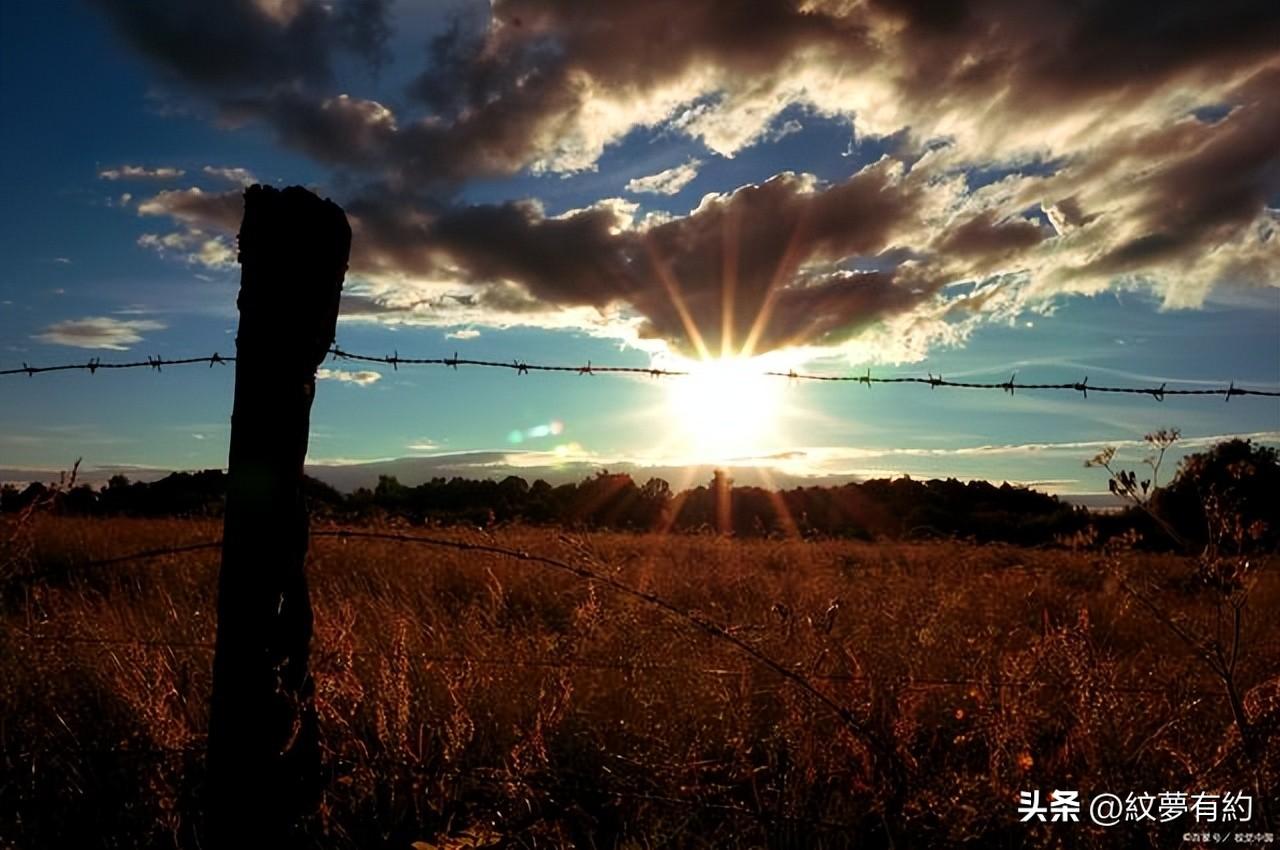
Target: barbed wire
column 522, row 367
column 94, row 364
column 695, row 619
column 715, row 630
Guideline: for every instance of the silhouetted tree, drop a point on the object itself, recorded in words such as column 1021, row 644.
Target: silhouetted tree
column 1226, row 496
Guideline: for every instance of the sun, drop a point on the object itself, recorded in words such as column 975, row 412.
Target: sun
column 724, row 409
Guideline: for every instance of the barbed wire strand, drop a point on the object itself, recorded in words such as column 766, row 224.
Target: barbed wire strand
column 715, row 630
column 868, row 737
column 521, row 367
column 581, row 572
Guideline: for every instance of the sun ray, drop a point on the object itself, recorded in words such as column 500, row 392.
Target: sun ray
column 605, row 489
column 677, row 300
column 786, row 266
column 681, row 490
column 785, row 519
column 729, row 281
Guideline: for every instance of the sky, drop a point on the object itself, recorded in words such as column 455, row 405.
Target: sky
column 975, row 189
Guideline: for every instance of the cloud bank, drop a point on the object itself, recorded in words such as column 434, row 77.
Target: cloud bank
column 99, row 332
column 1040, row 150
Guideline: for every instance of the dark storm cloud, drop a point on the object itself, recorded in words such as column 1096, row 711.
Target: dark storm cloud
column 823, row 310
column 253, row 44
column 760, row 239
column 1106, row 90
column 574, row 260
column 500, row 100
column 987, row 242
column 518, row 88
column 1200, row 200
column 757, row 265
column 361, row 305
column 632, row 46
column 1045, row 55
column 364, row 135
column 748, row 257
column 531, row 74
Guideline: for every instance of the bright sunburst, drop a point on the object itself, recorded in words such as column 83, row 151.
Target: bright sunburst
column 726, row 408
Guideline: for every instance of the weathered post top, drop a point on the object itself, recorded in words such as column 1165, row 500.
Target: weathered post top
column 294, row 249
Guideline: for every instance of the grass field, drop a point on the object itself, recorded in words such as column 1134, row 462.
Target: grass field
column 475, row 700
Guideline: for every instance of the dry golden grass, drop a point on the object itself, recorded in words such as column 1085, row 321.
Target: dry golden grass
column 467, row 697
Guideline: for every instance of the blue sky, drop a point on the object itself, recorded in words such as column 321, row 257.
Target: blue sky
column 1005, row 252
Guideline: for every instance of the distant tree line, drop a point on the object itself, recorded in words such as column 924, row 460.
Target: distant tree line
column 901, row 508
column 897, row 508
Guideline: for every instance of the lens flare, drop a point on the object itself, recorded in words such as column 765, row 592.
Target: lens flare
column 554, row 428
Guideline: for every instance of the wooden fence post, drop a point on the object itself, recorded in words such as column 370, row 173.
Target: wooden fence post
column 263, row 753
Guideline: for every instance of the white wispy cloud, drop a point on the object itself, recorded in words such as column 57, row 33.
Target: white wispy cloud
column 140, row 172
column 362, row 378
column 667, row 182
column 194, row 246
column 99, row 332
column 423, row 446
column 825, row 456
column 786, row 129
column 243, row 176
column 465, row 333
